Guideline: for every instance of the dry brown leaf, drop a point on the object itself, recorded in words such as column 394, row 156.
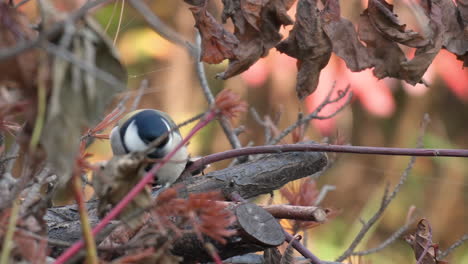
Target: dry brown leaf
column 386, row 54
column 308, row 43
column 344, row 38
column 413, row 70
column 421, row 242
column 115, row 179
column 256, row 26
column 20, row 70
column 387, row 23
column 455, row 21
column 218, row 44
column 78, row 98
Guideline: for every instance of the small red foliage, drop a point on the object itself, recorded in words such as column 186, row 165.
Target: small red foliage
column 200, row 211
column 229, row 103
column 302, row 192
column 112, row 118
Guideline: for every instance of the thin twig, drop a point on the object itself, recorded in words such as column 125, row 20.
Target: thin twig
column 50, row 33
column 163, row 30
column 302, row 249
column 21, row 3
column 296, row 244
column 122, row 8
column 224, row 122
column 315, row 114
column 455, row 245
column 323, row 193
column 114, row 8
column 84, row 65
column 326, row 148
column 141, row 91
column 386, row 199
column 385, row 243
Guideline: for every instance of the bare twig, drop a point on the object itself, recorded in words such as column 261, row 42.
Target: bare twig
column 84, row 65
column 141, row 91
column 296, row 244
column 323, row 193
column 327, row 148
column 122, row 8
column 385, row 243
column 315, row 114
column 21, row 3
column 266, row 125
column 161, row 28
column 386, row 199
column 50, row 33
column 224, row 122
column 302, row 249
column 295, row 212
column 455, row 245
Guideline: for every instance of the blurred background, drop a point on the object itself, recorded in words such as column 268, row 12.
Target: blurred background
column 383, row 113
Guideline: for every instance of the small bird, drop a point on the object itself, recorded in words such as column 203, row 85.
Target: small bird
column 135, row 131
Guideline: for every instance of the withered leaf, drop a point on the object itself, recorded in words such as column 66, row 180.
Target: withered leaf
column 115, row 179
column 387, row 56
column 344, row 38
column 455, row 20
column 462, row 6
column 308, row 43
column 385, row 21
column 422, row 240
column 21, row 70
column 256, row 26
column 218, row 44
column 78, row 97
column 413, row 70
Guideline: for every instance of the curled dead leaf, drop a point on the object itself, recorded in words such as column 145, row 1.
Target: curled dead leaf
column 309, row 44
column 84, row 60
column 387, row 23
column 218, row 44
column 256, row 26
column 343, row 37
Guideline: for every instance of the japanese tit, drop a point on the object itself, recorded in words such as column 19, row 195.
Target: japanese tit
column 135, row 131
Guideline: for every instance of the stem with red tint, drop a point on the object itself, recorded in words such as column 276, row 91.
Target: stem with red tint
column 234, row 153
column 147, row 178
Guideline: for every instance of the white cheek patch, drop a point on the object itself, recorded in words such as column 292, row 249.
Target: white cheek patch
column 132, row 140
column 171, row 144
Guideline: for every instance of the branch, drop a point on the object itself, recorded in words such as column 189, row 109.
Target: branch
column 160, row 28
column 455, row 245
column 326, row 148
column 223, row 121
column 50, row 33
column 386, row 199
column 316, row 112
column 249, row 179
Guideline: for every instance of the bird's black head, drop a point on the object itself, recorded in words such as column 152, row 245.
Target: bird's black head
column 151, row 124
